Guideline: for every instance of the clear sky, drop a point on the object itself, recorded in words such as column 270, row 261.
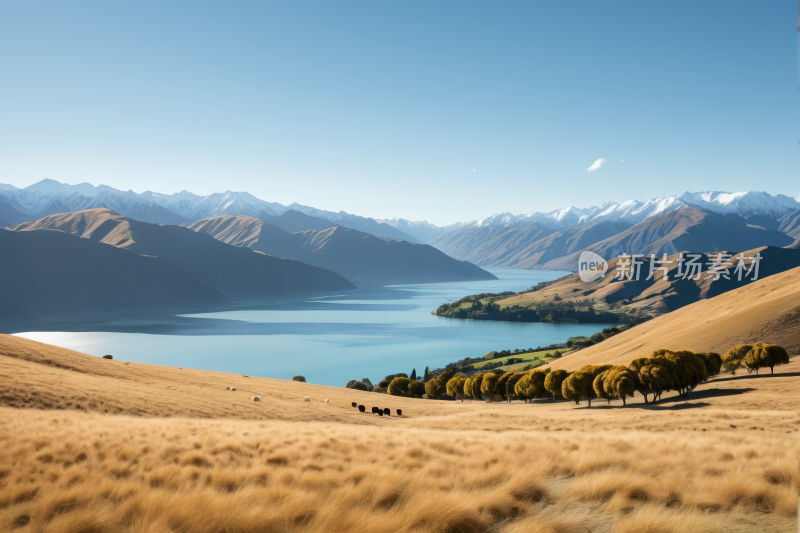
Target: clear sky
column 434, row 110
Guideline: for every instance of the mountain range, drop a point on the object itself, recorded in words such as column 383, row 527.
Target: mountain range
column 139, row 264
column 49, row 197
column 355, row 255
column 542, row 240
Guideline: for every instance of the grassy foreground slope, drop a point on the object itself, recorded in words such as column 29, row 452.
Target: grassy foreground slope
column 766, row 311
column 95, row 445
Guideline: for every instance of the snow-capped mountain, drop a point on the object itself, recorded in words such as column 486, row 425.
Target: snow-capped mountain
column 747, row 204
column 48, row 197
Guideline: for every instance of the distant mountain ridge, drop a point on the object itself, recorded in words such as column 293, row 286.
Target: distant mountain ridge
column 357, row 256
column 749, row 204
column 49, row 197
column 236, row 273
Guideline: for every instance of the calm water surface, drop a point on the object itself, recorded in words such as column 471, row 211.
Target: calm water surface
column 330, row 338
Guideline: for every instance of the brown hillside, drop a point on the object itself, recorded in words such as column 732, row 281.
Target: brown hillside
column 355, row 255
column 73, row 459
column 765, row 311
column 52, row 273
column 236, row 273
column 656, row 295
column 686, row 228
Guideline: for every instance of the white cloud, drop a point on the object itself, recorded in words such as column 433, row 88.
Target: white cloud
column 621, row 160
column 597, row 164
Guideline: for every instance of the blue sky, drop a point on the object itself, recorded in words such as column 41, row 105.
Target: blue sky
column 442, row 111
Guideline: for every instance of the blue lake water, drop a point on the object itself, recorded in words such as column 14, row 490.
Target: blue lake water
column 330, row 338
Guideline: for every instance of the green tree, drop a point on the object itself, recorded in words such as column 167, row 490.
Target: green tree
column 399, row 387
column 416, row 388
column 553, row 381
column 426, row 376
column 357, row 385
column 733, row 359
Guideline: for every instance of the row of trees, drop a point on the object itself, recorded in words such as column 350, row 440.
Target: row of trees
column 663, row 371
column 556, row 311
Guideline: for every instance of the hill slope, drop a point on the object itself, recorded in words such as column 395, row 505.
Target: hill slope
column 236, row 273
column 357, row 256
column 52, row 273
column 767, row 310
column 684, row 229
column 657, row 295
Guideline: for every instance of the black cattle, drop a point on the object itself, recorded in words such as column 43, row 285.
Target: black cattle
column 375, row 410
column 387, row 412
column 354, row 404
column 399, row 412
column 380, row 412
column 361, row 408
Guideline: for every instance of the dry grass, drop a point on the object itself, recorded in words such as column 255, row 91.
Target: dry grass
column 726, row 460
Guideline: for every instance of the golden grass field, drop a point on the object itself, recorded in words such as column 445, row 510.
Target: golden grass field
column 92, row 445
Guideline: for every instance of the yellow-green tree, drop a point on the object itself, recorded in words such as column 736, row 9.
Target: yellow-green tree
column 455, row 387
column 488, row 384
column 599, row 385
column 579, row 383
column 553, row 381
column 476, row 386
column 713, row 362
column 765, row 356
column 399, row 387
column 620, row 382
column 524, row 387
column 567, row 392
column 500, row 388
column 733, row 359
column 437, row 386
column 537, row 379
column 511, row 384
column 416, row 388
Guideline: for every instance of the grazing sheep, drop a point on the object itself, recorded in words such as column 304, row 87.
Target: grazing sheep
column 256, row 398
column 387, row 412
column 399, row 412
column 227, row 388
column 326, row 400
column 233, row 388
column 354, row 404
column 376, row 410
column 306, row 399
column 361, row 408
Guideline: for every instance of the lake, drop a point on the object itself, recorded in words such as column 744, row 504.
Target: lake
column 329, row 338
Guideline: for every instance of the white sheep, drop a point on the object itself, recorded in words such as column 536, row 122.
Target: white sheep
column 233, row 388
column 307, row 399
column 326, row 400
